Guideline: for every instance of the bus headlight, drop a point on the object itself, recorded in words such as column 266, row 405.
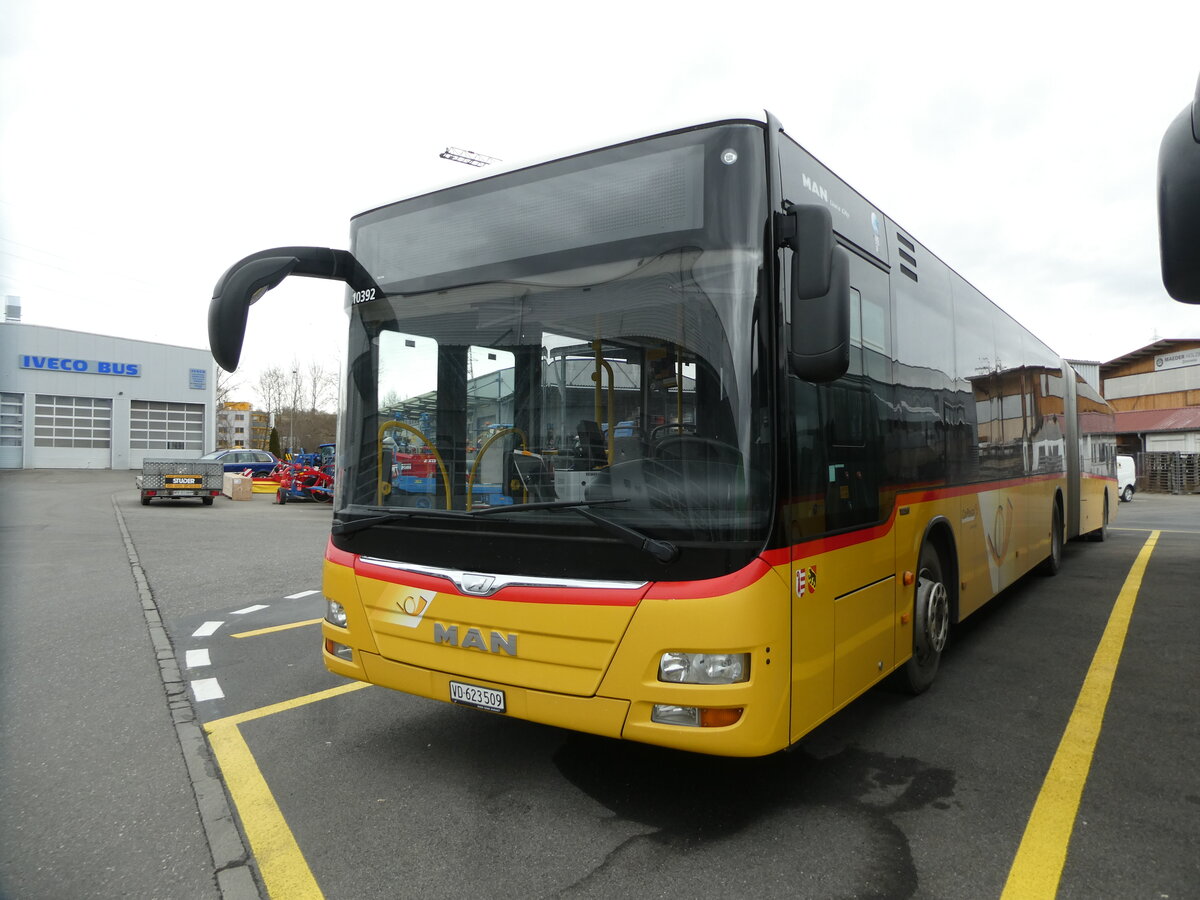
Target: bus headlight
column 695, row 716
column 704, row 668
column 335, row 613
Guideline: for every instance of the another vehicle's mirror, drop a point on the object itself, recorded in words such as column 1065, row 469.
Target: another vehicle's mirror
column 1179, row 204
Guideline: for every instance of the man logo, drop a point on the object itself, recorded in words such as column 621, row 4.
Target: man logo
column 472, row 583
column 472, row 639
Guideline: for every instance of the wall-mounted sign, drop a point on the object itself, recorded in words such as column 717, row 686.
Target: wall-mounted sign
column 198, row 379
column 1177, row 360
column 80, row 366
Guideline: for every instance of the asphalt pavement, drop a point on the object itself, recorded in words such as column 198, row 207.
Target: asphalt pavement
column 106, row 784
column 109, row 789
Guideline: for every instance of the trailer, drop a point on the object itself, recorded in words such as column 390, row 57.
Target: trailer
column 172, row 479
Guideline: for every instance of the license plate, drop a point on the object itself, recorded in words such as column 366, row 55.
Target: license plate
column 480, row 698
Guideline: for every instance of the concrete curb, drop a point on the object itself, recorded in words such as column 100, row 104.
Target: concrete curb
column 232, row 864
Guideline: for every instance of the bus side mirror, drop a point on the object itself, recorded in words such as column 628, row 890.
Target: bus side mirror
column 1179, row 204
column 248, row 279
column 819, row 295
column 237, row 289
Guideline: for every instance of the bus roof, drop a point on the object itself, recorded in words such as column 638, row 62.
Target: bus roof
column 610, row 139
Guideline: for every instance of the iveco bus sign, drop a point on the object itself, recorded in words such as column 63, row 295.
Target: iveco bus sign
column 1177, row 360
column 80, row 366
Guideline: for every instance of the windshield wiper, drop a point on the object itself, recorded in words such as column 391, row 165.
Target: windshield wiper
column 543, row 504
column 663, row 551
column 416, row 512
column 412, row 512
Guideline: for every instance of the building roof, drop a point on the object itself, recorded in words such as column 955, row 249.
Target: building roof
column 1155, row 420
column 1159, row 347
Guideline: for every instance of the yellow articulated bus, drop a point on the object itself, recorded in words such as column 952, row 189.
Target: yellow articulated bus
column 680, row 441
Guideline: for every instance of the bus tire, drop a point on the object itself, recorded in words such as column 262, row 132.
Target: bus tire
column 1052, row 563
column 1101, row 533
column 931, row 622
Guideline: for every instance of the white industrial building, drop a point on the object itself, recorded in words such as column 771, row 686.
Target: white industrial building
column 72, row 400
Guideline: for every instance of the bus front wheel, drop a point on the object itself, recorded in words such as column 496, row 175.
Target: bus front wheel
column 931, row 622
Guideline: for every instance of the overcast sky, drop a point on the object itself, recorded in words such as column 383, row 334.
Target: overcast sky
column 145, row 147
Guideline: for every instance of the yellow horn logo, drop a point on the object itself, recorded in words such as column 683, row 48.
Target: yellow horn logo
column 413, row 606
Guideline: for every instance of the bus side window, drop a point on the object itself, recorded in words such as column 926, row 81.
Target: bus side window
column 855, row 463
column 807, row 502
column 854, row 407
column 840, row 478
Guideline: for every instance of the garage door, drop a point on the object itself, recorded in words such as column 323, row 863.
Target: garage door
column 158, row 425
column 72, row 432
column 12, row 430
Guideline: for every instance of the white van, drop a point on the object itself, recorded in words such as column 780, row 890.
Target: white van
column 1126, row 477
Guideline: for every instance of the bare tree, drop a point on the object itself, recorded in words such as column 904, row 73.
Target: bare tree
column 391, row 400
column 272, row 389
column 298, row 398
column 223, row 390
column 225, row 386
column 321, row 387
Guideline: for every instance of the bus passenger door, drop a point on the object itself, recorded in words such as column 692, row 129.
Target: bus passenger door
column 843, row 584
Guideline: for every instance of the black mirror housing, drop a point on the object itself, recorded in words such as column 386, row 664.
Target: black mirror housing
column 820, row 329
column 1179, row 204
column 808, row 231
column 818, row 295
column 248, row 279
column 236, row 290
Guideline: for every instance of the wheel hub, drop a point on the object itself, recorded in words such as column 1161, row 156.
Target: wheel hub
column 933, row 616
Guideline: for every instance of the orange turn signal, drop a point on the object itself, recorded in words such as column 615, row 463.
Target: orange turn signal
column 717, row 718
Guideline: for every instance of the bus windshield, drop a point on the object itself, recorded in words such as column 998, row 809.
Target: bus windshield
column 585, row 334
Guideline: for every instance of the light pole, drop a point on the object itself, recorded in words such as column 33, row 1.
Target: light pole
column 292, row 417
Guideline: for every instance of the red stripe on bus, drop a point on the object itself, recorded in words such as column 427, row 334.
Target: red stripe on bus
column 904, row 496
column 711, row 587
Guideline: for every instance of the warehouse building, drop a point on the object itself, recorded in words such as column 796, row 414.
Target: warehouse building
column 72, row 400
column 1156, row 393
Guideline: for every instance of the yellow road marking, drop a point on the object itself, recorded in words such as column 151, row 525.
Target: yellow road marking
column 283, row 867
column 263, row 711
column 1037, row 867
column 258, row 631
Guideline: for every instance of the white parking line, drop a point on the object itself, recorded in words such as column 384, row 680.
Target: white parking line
column 301, row 594
column 248, row 609
column 206, row 689
column 195, row 659
column 207, row 629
